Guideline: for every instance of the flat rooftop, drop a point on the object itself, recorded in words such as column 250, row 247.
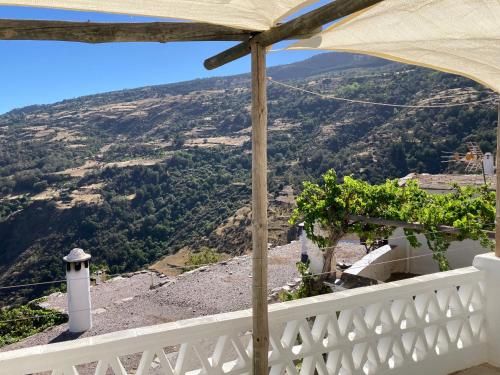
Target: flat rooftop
column 444, row 182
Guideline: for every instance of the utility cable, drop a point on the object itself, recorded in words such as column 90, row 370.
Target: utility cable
column 357, row 101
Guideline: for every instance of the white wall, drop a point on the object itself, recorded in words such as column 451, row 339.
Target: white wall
column 379, row 264
column 399, row 256
column 376, row 330
column 460, row 253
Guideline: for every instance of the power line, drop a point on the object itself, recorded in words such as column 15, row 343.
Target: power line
column 193, row 267
column 207, row 264
column 31, row 317
column 54, row 313
column 54, row 281
column 32, row 284
column 312, row 274
column 358, row 101
column 386, row 262
column 450, row 230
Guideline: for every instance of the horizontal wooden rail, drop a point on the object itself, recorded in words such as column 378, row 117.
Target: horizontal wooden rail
column 100, row 32
column 96, row 32
column 309, row 21
column 406, row 225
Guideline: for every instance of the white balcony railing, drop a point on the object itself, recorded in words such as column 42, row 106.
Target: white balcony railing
column 433, row 324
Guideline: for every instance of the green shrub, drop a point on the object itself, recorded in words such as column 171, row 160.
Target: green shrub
column 203, row 257
column 308, row 285
column 20, row 322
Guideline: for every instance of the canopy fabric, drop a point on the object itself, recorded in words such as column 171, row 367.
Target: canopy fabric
column 244, row 14
column 461, row 37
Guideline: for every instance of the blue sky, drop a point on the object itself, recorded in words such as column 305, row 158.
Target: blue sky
column 35, row 72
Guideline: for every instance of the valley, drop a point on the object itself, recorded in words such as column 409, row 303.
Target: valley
column 136, row 175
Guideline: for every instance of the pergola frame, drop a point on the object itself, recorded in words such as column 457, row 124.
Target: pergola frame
column 254, row 43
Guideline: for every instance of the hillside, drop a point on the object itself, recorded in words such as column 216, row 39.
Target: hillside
column 134, row 175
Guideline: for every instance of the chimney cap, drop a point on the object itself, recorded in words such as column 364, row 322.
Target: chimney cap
column 76, row 255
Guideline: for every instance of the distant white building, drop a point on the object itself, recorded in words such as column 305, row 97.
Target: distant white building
column 442, row 183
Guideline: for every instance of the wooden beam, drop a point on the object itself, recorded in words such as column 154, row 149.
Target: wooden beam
column 309, row 21
column 497, row 223
column 259, row 211
column 404, row 224
column 92, row 32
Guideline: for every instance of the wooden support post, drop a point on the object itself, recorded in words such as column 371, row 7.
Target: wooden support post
column 497, row 224
column 259, row 211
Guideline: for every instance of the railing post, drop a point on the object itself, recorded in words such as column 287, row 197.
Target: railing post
column 259, row 211
column 497, row 224
column 491, row 265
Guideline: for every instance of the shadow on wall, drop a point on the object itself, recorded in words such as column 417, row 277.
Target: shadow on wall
column 400, row 258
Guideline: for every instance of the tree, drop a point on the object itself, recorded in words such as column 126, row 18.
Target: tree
column 327, row 212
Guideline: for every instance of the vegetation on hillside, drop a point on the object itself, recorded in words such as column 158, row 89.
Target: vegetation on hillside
column 20, row 322
column 146, row 213
column 202, row 258
column 134, row 175
column 326, row 211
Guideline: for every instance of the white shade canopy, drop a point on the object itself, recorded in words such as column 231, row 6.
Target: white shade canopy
column 456, row 36
column 244, row 14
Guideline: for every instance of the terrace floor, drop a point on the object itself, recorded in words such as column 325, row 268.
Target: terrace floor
column 479, row 370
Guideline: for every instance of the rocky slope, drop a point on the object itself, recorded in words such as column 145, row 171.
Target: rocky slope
column 135, row 175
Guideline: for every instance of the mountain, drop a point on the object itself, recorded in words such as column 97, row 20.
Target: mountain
column 325, row 63
column 134, row 175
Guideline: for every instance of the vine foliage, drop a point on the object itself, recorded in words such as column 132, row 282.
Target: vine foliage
column 325, row 209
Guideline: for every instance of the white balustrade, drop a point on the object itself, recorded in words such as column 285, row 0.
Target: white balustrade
column 433, row 324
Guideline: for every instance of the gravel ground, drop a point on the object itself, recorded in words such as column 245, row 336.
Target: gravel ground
column 123, row 303
column 129, row 302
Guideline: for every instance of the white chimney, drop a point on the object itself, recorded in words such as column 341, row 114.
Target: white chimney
column 489, row 167
column 309, row 251
column 303, row 242
column 78, row 285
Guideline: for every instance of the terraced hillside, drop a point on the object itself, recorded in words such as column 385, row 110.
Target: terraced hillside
column 135, row 175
